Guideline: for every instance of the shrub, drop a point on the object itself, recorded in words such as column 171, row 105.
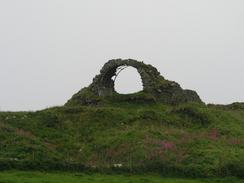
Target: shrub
column 194, row 114
column 232, row 168
column 48, row 119
column 148, row 115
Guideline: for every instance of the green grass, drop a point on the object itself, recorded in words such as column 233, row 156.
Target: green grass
column 192, row 140
column 38, row 177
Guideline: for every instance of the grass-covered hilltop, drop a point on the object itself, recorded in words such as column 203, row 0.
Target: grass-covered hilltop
column 162, row 129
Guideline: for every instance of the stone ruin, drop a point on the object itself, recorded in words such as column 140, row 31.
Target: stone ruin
column 155, row 87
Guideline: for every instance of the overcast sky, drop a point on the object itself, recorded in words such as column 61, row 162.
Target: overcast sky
column 49, row 49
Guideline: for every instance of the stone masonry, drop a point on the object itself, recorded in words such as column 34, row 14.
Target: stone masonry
column 154, row 84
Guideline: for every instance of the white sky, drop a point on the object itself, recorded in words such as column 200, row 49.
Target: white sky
column 49, row 49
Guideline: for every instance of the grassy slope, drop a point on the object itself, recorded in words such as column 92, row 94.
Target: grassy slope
column 190, row 139
column 38, row 177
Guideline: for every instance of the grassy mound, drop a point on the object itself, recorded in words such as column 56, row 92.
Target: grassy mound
column 185, row 140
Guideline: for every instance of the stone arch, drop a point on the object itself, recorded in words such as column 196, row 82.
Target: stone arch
column 103, row 84
column 155, row 87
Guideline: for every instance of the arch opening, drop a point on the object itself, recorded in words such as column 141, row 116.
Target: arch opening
column 127, row 80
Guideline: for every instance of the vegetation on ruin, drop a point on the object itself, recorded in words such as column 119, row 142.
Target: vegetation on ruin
column 163, row 129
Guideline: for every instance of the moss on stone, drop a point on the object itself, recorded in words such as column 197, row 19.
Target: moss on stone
column 155, row 86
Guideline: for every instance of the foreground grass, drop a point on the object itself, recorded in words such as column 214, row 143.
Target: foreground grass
column 40, row 177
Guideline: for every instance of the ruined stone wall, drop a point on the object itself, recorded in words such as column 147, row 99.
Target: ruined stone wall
column 154, row 84
column 103, row 85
